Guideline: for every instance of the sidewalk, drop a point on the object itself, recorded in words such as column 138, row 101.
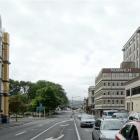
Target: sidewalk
column 20, row 121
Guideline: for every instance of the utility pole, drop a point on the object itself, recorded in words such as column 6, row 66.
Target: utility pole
column 4, row 72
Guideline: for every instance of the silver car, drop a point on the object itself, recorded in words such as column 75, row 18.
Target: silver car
column 106, row 129
column 87, row 121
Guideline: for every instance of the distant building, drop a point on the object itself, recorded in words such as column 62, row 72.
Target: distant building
column 131, row 50
column 91, row 99
column 109, row 88
column 132, row 95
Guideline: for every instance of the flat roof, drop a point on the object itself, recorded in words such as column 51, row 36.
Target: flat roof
column 120, row 70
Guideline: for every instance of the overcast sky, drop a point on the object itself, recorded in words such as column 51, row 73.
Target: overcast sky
column 67, row 41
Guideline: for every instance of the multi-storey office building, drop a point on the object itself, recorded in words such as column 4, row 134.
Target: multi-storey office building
column 109, row 88
column 131, row 50
column 132, row 95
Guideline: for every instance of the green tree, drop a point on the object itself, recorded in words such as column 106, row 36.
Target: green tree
column 17, row 104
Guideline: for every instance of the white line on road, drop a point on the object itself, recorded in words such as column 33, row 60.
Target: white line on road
column 78, row 136
column 20, row 133
column 49, row 129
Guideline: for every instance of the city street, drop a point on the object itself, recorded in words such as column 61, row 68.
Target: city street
column 60, row 127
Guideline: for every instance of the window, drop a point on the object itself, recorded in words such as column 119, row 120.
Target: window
column 117, row 101
column 112, row 84
column 122, row 102
column 104, row 84
column 134, row 133
column 117, row 93
column 104, row 93
column 126, row 131
column 121, row 92
column 128, row 92
column 108, row 84
column 108, row 93
column 112, row 101
column 97, row 123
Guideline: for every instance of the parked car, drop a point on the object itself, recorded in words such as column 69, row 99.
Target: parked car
column 123, row 116
column 134, row 116
column 130, row 131
column 106, row 129
column 108, row 113
column 87, row 121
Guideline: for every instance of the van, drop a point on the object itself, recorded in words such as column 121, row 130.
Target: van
column 108, row 113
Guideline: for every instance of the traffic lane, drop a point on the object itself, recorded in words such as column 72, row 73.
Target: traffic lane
column 64, row 130
column 85, row 133
column 26, row 131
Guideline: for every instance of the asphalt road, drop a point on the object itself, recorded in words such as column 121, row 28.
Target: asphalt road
column 59, row 127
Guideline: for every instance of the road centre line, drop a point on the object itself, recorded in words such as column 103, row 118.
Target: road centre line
column 78, row 136
column 49, row 129
column 20, row 133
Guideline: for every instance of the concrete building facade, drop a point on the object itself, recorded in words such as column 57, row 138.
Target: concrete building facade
column 131, row 50
column 132, row 95
column 109, row 88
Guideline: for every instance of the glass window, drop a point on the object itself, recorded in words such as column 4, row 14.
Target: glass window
column 134, row 133
column 112, row 101
column 126, row 131
column 111, row 125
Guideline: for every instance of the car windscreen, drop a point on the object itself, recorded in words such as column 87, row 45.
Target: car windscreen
column 111, row 125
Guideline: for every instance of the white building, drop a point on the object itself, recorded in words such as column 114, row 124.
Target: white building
column 132, row 95
column 131, row 50
column 109, row 88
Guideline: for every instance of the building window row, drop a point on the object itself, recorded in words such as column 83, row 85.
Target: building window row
column 113, row 101
column 113, row 84
column 114, row 93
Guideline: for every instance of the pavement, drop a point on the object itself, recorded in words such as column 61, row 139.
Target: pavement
column 12, row 122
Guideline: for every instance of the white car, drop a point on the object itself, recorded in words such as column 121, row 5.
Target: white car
column 106, row 129
column 87, row 121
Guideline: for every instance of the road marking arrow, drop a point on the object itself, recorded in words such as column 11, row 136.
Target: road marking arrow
column 65, row 125
column 51, row 138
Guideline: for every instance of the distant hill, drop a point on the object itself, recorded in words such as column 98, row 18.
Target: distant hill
column 76, row 103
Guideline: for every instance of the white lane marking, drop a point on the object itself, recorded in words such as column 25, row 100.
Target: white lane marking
column 78, row 136
column 51, row 138
column 20, row 133
column 49, row 129
column 65, row 125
